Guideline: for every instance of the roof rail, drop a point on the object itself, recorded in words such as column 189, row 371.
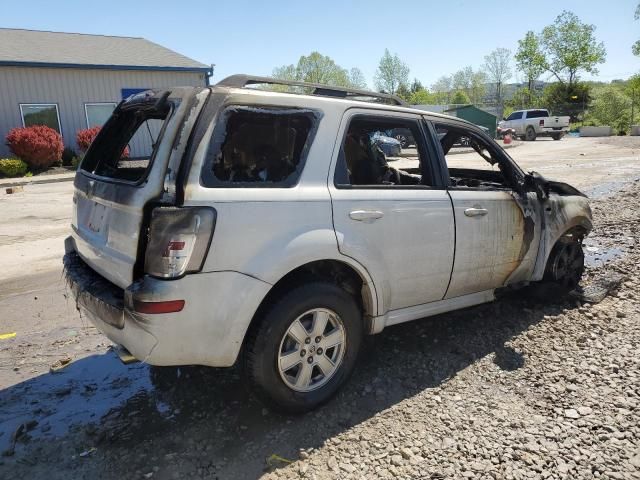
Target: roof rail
column 241, row 81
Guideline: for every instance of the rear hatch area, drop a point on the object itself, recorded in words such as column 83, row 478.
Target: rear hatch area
column 131, row 166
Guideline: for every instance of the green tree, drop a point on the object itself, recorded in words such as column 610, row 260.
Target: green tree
column 461, row 80
column 318, row 68
column 523, row 98
column 611, row 107
column 421, row 97
column 391, row 73
column 416, row 86
column 530, row 60
column 356, row 79
column 636, row 46
column 442, row 89
column 459, row 98
column 632, row 90
column 498, row 70
column 570, row 47
column 565, row 99
column 403, row 92
column 478, row 87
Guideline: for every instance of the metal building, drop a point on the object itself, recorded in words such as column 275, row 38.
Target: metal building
column 475, row 115
column 72, row 81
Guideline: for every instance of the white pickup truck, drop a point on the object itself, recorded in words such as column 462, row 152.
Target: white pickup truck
column 529, row 124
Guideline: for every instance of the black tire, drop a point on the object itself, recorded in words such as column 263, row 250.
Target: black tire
column 404, row 141
column 264, row 339
column 565, row 265
column 557, row 136
column 530, row 134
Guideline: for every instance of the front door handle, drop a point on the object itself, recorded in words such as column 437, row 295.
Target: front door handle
column 366, row 216
column 475, row 212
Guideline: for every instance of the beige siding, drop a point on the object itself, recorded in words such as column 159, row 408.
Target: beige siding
column 70, row 89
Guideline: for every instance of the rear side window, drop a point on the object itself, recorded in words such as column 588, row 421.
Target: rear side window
column 125, row 146
column 537, row 114
column 259, row 147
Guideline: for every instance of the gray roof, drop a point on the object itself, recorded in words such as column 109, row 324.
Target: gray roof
column 83, row 50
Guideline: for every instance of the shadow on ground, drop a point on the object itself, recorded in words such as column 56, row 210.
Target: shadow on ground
column 203, row 421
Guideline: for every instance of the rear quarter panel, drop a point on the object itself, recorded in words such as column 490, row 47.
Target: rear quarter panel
column 267, row 232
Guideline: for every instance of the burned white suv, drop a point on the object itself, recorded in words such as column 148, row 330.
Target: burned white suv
column 231, row 223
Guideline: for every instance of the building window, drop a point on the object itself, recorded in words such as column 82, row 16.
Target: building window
column 40, row 114
column 98, row 113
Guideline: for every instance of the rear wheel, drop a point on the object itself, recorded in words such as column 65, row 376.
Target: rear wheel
column 556, row 136
column 305, row 347
column 530, row 134
column 565, row 265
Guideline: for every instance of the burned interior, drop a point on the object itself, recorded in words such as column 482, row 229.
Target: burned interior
column 261, row 146
column 484, row 171
column 125, row 147
column 363, row 162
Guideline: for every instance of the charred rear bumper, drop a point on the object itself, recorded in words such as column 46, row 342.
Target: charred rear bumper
column 218, row 308
column 93, row 292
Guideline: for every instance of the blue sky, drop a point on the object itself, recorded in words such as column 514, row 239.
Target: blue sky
column 433, row 38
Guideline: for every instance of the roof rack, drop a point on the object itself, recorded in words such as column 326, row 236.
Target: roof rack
column 241, row 81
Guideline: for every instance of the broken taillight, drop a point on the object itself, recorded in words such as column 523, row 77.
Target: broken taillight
column 178, row 240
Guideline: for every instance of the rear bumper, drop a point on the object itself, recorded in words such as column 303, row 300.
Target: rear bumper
column 209, row 330
column 553, row 130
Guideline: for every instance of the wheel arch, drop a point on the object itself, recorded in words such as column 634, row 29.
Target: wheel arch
column 354, row 279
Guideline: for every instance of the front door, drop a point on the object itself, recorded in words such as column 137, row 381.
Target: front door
column 389, row 213
column 490, row 225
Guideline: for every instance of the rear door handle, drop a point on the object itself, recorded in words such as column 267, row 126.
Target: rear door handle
column 475, row 212
column 366, row 216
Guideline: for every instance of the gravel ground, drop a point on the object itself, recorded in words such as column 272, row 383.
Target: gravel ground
column 520, row 388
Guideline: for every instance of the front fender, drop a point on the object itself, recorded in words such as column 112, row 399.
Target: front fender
column 561, row 215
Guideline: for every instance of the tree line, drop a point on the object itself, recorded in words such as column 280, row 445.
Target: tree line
column 564, row 50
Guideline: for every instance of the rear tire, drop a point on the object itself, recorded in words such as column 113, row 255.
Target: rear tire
column 295, row 374
column 530, row 134
column 557, row 136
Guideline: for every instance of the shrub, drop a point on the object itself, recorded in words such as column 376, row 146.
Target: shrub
column 85, row 137
column 38, row 145
column 88, row 135
column 67, row 156
column 75, row 161
column 13, row 167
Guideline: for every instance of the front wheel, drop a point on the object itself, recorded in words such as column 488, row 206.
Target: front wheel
column 565, row 265
column 304, row 347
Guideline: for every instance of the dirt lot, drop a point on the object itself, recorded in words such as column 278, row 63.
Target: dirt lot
column 520, row 388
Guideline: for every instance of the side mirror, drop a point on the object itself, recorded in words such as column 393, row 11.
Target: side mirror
column 538, row 184
column 504, row 119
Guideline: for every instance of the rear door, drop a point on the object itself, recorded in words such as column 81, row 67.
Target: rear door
column 133, row 161
column 392, row 215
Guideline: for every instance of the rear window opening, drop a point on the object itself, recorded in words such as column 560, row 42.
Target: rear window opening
column 125, row 147
column 259, row 147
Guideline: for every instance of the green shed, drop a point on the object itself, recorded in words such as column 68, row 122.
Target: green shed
column 473, row 114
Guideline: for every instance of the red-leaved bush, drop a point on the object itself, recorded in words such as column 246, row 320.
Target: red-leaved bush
column 85, row 137
column 88, row 135
column 38, row 145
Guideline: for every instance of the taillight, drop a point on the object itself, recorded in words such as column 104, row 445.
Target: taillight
column 541, row 123
column 178, row 240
